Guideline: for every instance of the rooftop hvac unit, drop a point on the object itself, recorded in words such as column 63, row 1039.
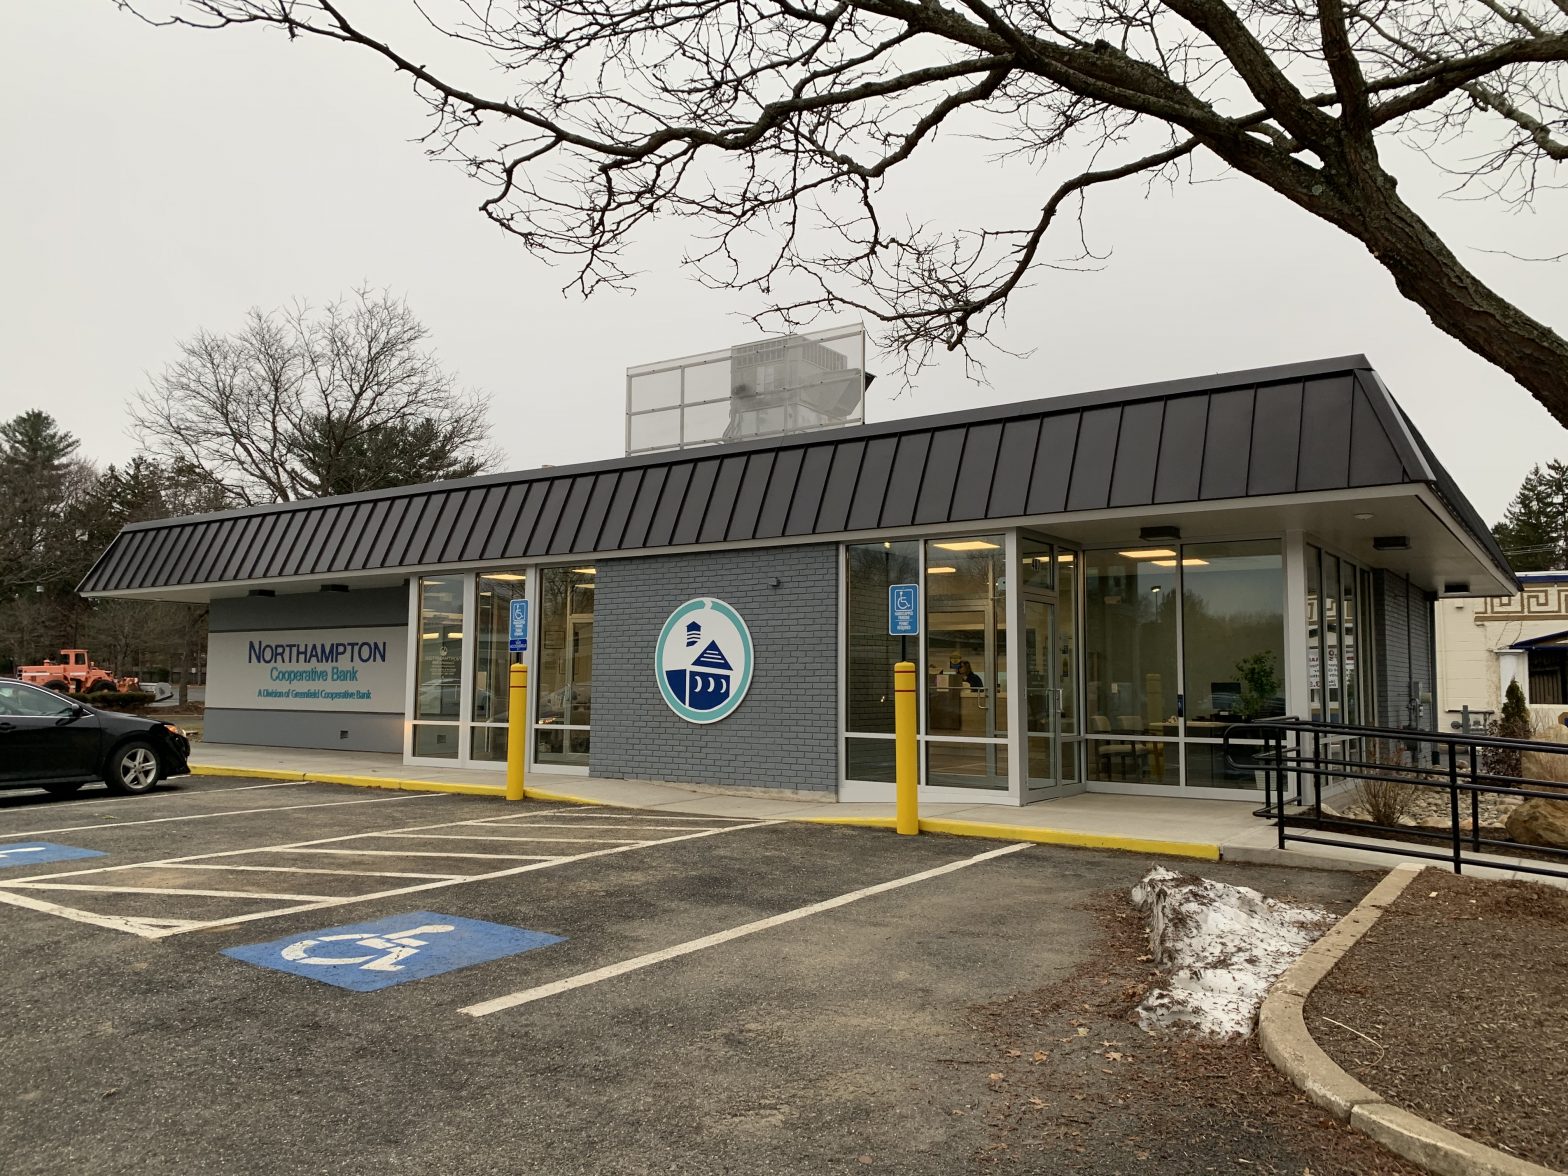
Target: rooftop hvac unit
column 771, row 388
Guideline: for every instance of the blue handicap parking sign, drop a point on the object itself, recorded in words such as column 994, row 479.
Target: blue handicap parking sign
column 363, row 957
column 517, row 633
column 38, row 853
column 903, row 609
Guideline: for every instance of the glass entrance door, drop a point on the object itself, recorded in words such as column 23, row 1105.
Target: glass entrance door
column 1043, row 699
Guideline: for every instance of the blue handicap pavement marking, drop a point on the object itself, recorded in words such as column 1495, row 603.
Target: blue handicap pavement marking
column 38, row 853
column 363, row 957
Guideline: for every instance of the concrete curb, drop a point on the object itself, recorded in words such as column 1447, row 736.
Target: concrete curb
column 1282, row 1031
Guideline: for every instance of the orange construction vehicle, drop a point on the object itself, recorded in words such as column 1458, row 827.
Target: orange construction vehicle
column 74, row 673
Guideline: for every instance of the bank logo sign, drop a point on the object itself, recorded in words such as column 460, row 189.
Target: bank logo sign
column 704, row 660
column 351, row 669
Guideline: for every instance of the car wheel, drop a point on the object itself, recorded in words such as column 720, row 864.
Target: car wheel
column 102, row 686
column 133, row 768
column 63, row 787
column 58, row 685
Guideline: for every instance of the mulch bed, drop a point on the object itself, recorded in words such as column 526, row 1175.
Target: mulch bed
column 1077, row 1086
column 1455, row 1006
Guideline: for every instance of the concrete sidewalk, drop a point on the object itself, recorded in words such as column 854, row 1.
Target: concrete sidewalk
column 1209, row 830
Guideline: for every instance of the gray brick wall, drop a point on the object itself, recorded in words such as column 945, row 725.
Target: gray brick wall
column 785, row 733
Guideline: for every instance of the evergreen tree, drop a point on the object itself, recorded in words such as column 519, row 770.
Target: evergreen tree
column 1534, row 532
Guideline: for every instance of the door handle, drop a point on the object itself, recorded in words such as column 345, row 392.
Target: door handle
column 7, row 727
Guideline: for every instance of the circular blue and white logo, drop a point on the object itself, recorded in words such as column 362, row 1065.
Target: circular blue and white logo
column 704, row 660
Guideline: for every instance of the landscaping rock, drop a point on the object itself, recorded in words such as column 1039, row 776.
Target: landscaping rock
column 1540, row 822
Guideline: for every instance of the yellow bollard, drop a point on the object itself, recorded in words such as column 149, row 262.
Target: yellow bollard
column 516, row 730
column 907, row 747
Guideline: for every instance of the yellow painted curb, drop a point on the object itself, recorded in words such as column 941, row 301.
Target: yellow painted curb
column 1188, row 849
column 351, row 781
column 567, row 798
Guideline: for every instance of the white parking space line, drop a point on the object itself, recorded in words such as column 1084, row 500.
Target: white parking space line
column 308, row 870
column 157, row 927
column 555, row 988
column 600, row 815
column 282, row 808
column 477, row 837
column 168, row 890
column 402, row 853
column 572, row 828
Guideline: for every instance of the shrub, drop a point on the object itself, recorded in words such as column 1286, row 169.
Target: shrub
column 1549, row 767
column 1388, row 801
column 1513, row 723
column 117, row 700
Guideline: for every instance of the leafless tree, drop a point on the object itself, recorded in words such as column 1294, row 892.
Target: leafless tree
column 301, row 403
column 778, row 124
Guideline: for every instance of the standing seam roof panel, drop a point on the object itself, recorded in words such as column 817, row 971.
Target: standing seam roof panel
column 838, row 489
column 699, row 497
column 200, row 559
column 671, row 499
column 391, row 528
column 178, row 558
column 779, row 495
column 1054, row 457
column 1137, row 454
column 1227, row 445
column 748, row 498
column 1325, row 434
column 466, row 504
column 1014, row 465
column 236, row 544
column 549, row 516
column 256, row 565
column 716, row 523
column 809, row 487
column 514, row 544
column 905, row 478
column 1373, row 461
column 485, row 512
column 420, row 531
column 939, row 480
column 565, row 530
column 154, row 557
column 865, row 509
column 1179, row 473
column 353, row 531
column 1276, row 439
column 594, row 513
column 1094, row 459
column 643, row 506
column 976, row 472
column 614, row 528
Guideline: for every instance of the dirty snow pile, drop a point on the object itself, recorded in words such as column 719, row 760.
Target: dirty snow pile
column 1222, row 946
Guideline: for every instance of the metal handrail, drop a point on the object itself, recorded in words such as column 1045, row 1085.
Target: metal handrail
column 1300, row 755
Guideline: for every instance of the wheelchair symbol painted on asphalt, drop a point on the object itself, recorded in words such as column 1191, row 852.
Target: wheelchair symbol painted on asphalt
column 363, row 957
column 395, row 948
column 40, row 853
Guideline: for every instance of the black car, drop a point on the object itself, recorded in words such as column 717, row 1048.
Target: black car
column 53, row 742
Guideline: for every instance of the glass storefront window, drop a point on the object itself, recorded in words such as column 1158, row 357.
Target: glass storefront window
column 438, row 666
column 564, row 690
column 870, row 569
column 966, row 660
column 491, row 690
column 1131, row 682
column 1233, row 613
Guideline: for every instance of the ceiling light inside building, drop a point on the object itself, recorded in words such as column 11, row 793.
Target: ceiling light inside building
column 586, row 571
column 939, row 571
column 967, row 545
column 1149, row 553
column 1186, row 563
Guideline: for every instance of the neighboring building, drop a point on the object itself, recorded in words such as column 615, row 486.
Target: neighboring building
column 1482, row 645
column 1100, row 585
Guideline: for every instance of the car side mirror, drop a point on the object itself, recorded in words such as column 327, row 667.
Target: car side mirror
column 78, row 711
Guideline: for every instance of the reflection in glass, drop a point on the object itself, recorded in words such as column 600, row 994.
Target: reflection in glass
column 966, row 659
column 870, row 759
column 966, row 765
column 492, row 658
column 1314, row 632
column 565, row 664
column 871, row 653
column 1233, row 610
column 436, row 740
column 1130, row 646
column 439, row 665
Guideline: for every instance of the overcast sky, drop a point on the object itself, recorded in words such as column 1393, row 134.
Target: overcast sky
column 163, row 181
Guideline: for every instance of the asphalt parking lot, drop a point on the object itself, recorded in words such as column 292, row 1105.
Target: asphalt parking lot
column 304, row 978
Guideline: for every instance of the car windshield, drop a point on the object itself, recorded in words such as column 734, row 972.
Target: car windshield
column 20, row 700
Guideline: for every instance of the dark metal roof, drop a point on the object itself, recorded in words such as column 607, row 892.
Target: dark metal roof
column 1327, row 425
column 1548, row 639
